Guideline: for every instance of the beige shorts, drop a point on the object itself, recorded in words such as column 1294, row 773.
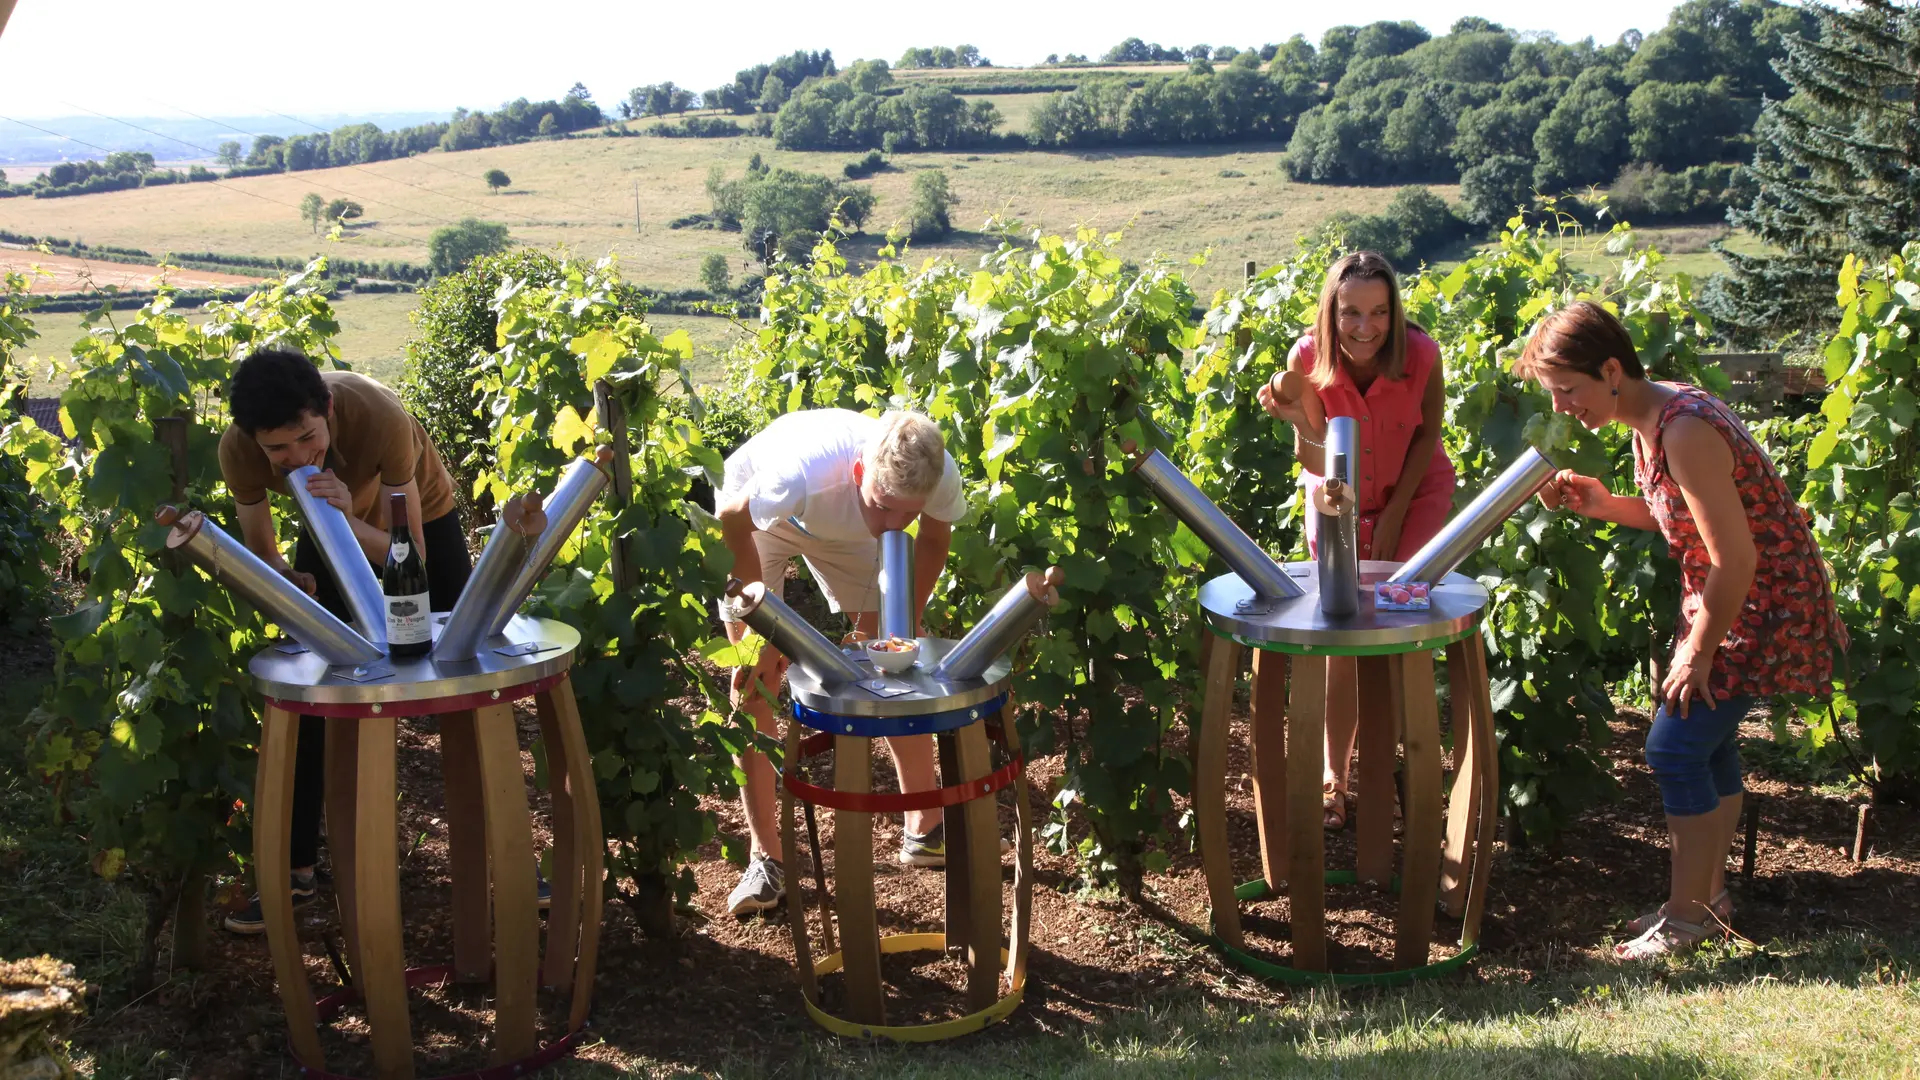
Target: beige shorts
column 848, row 573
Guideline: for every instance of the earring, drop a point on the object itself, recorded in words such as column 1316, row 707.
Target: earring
column 1616, row 391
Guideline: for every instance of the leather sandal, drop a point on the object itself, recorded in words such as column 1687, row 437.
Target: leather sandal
column 1333, row 809
column 1720, row 907
column 1667, row 937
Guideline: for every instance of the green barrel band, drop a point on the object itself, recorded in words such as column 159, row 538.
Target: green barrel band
column 1266, row 969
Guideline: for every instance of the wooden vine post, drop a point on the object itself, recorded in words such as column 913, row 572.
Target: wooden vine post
column 653, row 901
column 614, row 416
column 190, row 904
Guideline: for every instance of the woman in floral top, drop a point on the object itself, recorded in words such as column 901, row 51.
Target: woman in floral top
column 1757, row 616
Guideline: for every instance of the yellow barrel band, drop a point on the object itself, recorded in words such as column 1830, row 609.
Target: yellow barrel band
column 946, row 1029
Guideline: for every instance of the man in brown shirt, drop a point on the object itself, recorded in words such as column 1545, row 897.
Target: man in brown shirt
column 288, row 414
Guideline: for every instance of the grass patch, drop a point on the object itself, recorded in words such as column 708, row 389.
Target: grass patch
column 1842, row 1005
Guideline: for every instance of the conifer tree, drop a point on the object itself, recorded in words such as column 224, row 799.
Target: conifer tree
column 1836, row 169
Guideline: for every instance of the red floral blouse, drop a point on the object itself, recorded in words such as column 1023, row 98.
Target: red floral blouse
column 1783, row 641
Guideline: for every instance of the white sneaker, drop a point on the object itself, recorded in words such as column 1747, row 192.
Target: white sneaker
column 763, row 886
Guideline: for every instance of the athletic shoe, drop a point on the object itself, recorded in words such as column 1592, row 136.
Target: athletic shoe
column 931, row 850
column 763, row 886
column 251, row 920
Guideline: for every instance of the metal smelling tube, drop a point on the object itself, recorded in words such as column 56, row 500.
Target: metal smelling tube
column 896, row 585
column 1215, row 529
column 1337, row 539
column 573, row 497
column 520, row 523
column 785, row 630
column 230, row 563
column 1009, row 620
column 1470, row 528
column 341, row 550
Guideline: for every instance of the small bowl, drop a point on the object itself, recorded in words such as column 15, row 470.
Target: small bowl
column 890, row 661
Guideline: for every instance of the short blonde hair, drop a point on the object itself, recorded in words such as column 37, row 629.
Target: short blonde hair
column 908, row 456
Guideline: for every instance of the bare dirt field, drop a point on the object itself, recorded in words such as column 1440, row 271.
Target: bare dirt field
column 66, row 274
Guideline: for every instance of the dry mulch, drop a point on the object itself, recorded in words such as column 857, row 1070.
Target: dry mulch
column 722, row 990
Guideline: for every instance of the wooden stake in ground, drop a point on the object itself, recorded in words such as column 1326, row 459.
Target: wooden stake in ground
column 1860, row 832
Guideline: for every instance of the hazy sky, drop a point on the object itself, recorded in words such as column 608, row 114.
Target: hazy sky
column 231, row 57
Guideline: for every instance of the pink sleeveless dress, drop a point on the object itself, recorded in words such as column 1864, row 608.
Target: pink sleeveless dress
column 1783, row 641
column 1388, row 415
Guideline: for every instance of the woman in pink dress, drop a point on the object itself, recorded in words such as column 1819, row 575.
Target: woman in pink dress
column 1757, row 616
column 1385, row 373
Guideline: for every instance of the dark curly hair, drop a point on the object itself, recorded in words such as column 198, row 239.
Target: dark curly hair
column 272, row 387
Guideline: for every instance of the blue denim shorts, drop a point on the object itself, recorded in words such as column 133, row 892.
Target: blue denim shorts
column 1696, row 759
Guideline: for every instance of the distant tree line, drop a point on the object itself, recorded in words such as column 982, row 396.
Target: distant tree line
column 940, row 56
column 657, row 99
column 1229, row 104
column 118, row 171
column 1486, row 106
column 358, row 144
column 1135, row 51
column 862, row 109
column 699, row 127
column 832, row 114
column 765, row 87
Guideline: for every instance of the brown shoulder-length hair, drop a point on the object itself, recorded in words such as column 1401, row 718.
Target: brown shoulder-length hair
column 1580, row 337
column 1359, row 266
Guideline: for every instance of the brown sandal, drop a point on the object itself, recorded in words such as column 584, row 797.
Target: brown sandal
column 1333, row 809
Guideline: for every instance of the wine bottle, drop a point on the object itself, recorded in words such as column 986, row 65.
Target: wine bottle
column 404, row 581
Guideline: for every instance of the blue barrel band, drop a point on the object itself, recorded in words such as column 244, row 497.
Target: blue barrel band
column 888, row 727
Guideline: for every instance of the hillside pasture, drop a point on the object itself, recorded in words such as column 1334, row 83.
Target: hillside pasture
column 580, row 192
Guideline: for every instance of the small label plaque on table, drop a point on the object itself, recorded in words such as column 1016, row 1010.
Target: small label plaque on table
column 881, row 688
column 362, row 673
column 526, row 648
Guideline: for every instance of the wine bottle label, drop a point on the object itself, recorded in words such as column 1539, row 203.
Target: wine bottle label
column 409, row 620
column 399, row 551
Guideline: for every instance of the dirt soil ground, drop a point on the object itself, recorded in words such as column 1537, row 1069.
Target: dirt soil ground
column 722, row 990
column 67, row 274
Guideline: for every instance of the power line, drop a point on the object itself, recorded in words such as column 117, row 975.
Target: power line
column 227, row 185
column 57, row 135
column 420, row 159
column 530, row 219
column 315, row 183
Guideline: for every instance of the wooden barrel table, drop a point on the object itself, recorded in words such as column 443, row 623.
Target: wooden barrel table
column 1380, row 664
column 494, row 902
column 965, row 716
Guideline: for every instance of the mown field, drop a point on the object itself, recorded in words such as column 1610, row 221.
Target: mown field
column 581, row 193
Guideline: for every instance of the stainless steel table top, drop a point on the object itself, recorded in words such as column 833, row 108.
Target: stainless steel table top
column 545, row 648
column 914, row 692
column 1298, row 625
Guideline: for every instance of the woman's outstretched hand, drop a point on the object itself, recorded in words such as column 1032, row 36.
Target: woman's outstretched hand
column 1568, row 490
column 1287, row 396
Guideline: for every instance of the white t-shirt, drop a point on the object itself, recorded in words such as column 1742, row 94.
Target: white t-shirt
column 799, row 470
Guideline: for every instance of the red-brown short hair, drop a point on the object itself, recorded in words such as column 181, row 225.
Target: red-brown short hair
column 1581, row 337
